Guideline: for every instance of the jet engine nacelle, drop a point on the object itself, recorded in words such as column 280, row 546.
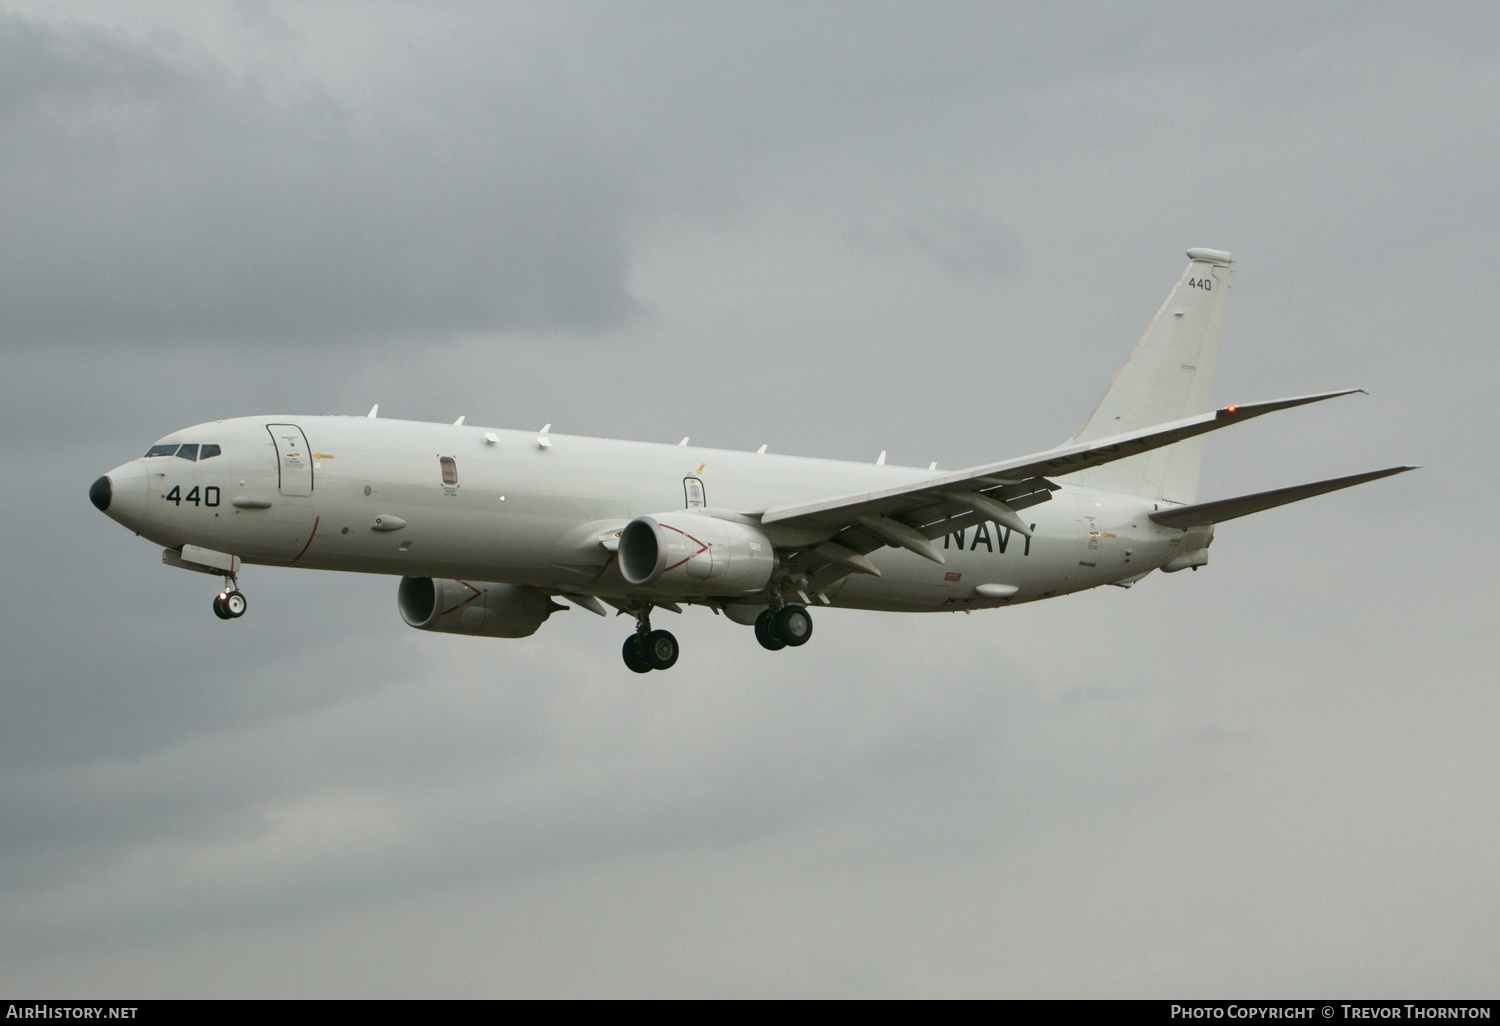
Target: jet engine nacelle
column 695, row 554
column 473, row 607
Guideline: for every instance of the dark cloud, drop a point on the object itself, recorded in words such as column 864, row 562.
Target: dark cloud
column 149, row 193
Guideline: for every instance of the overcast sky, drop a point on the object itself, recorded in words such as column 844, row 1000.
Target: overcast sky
column 836, row 229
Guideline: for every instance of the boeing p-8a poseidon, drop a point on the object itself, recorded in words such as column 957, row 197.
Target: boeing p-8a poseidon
column 487, row 528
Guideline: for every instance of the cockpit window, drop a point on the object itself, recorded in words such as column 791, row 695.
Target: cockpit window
column 191, row 451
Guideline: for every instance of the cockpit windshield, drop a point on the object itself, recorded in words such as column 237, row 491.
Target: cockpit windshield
column 190, row 451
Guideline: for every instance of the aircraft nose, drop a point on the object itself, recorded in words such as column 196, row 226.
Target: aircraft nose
column 121, row 494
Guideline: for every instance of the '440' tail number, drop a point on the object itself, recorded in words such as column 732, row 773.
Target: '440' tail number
column 209, row 496
column 1206, row 284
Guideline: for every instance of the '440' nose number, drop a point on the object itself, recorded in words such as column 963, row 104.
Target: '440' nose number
column 209, row 496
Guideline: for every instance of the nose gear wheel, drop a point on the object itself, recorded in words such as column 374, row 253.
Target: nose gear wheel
column 230, row 603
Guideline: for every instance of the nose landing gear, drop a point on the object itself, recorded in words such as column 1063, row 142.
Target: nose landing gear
column 230, row 604
column 648, row 650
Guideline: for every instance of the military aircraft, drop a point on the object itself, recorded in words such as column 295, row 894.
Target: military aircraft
column 488, row 528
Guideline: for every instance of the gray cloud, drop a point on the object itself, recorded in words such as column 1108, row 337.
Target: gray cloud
column 146, row 192
column 964, row 243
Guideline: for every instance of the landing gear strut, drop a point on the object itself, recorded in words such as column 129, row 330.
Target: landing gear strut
column 648, row 650
column 230, row 604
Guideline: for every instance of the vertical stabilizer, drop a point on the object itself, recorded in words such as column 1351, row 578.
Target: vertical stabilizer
column 1168, row 375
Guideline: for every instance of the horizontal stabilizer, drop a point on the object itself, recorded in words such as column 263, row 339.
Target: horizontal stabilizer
column 1204, row 513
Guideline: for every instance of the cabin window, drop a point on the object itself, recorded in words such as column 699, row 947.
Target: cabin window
column 162, row 450
column 188, row 452
column 450, row 470
column 692, row 488
column 207, row 452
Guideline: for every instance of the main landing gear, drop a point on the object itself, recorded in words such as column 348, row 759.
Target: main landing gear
column 775, row 629
column 648, row 650
column 230, row 604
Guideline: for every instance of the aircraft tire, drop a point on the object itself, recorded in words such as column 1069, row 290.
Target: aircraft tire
column 632, row 655
column 235, row 604
column 794, row 625
column 219, row 609
column 765, row 634
column 661, row 650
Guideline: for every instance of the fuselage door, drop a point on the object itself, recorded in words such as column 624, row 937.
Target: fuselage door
column 692, row 488
column 293, row 459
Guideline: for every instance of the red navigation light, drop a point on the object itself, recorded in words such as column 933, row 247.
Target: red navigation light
column 1229, row 409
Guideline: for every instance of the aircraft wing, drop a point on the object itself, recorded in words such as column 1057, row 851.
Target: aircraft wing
column 910, row 515
column 1205, row 513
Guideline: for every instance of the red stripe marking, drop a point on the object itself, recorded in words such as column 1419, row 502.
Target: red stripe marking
column 702, row 548
column 471, row 598
column 607, row 564
column 316, row 521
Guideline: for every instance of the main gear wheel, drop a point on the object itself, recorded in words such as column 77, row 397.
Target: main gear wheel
column 793, row 625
